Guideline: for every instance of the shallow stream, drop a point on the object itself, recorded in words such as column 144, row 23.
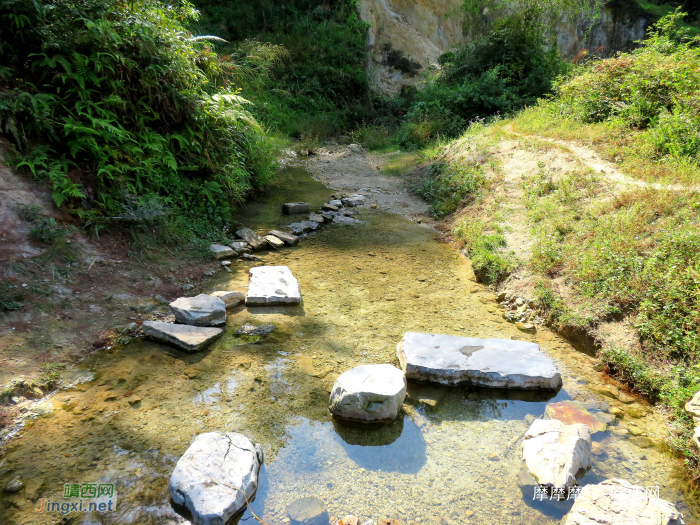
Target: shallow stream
column 453, row 458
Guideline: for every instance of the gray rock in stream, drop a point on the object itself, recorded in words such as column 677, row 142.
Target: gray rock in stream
column 308, row 511
column 287, row 238
column 230, row 299
column 368, row 393
column 555, row 453
column 618, row 502
column 272, row 285
column 215, row 476
column 256, row 242
column 200, row 310
column 495, row 363
column 241, row 247
column 221, row 252
column 186, row 337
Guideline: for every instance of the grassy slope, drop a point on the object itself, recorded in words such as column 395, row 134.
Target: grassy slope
column 601, row 252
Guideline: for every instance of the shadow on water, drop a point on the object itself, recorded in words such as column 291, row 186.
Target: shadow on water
column 486, row 404
column 397, row 447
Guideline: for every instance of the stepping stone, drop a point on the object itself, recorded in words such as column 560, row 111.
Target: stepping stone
column 368, row 393
column 256, row 242
column 295, row 208
column 215, row 476
column 337, row 203
column 495, row 363
column 329, row 207
column 287, row 238
column 250, row 257
column 274, row 241
column 297, row 228
column 272, row 285
column 317, row 217
column 619, row 502
column 327, row 216
column 230, row 299
column 555, row 453
column 186, row 337
column 201, row 310
column 241, row 247
column 350, row 203
column 570, row 412
column 308, row 511
column 221, row 252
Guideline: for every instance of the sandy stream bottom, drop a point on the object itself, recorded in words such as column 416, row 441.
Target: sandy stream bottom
column 363, row 286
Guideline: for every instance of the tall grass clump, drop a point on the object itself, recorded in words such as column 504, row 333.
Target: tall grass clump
column 115, row 105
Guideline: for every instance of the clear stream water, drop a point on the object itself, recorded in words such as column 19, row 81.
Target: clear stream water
column 363, row 286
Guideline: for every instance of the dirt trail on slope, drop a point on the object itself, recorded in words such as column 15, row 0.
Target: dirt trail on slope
column 591, row 159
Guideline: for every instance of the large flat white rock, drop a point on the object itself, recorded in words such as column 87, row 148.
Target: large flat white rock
column 272, row 285
column 368, row 393
column 555, row 453
column 185, row 337
column 215, row 476
column 201, row 310
column 496, row 363
column 618, row 502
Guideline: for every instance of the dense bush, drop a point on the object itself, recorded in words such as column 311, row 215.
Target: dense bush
column 114, row 103
column 499, row 73
column 321, row 86
column 656, row 89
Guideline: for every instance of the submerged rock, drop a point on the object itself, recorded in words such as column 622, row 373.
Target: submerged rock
column 499, row 363
column 618, row 502
column 230, row 299
column 272, row 285
column 215, row 476
column 250, row 257
column 251, row 329
column 13, row 486
column 287, row 238
column 555, row 453
column 201, row 310
column 570, row 412
column 183, row 336
column 368, row 393
column 256, row 242
column 221, row 252
column 308, row 511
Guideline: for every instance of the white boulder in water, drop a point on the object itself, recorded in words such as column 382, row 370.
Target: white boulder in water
column 368, row 393
column 272, row 285
column 555, row 453
column 215, row 476
column 496, row 363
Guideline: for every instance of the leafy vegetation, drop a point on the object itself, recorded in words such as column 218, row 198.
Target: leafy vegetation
column 319, row 86
column 115, row 103
column 447, row 186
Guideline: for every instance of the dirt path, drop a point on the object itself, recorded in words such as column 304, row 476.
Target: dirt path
column 591, row 159
column 350, row 169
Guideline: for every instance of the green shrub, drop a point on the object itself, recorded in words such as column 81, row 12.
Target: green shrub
column 489, row 263
column 371, row 136
column 655, row 89
column 126, row 106
column 447, row 186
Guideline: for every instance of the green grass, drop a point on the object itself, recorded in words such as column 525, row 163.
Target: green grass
column 449, row 186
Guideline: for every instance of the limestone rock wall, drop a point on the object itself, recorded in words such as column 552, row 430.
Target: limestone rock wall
column 422, row 30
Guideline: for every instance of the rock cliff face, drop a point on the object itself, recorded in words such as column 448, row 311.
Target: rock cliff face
column 422, row 30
